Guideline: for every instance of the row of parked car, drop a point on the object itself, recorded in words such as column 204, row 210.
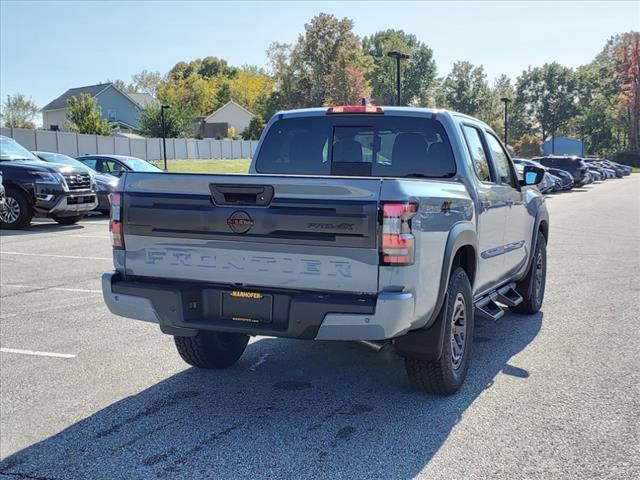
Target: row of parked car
column 566, row 172
column 54, row 185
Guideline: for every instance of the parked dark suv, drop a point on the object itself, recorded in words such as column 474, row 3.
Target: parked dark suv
column 576, row 166
column 37, row 188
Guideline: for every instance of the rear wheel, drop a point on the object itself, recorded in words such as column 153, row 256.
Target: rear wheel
column 446, row 375
column 68, row 220
column 532, row 286
column 212, row 349
column 17, row 211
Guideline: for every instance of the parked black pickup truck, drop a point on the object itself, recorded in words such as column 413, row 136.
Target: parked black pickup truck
column 37, row 188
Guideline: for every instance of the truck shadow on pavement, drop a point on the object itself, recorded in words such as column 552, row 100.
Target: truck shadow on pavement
column 288, row 409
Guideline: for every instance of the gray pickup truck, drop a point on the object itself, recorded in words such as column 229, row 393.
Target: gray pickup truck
column 386, row 225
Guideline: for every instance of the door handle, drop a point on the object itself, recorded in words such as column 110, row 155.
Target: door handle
column 510, row 203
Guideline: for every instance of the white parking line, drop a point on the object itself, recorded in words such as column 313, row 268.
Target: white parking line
column 55, row 256
column 60, row 289
column 39, row 354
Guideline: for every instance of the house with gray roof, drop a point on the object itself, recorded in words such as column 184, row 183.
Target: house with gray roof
column 231, row 114
column 117, row 107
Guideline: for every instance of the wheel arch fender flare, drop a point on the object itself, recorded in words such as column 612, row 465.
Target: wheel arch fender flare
column 17, row 186
column 426, row 342
column 541, row 225
column 461, row 235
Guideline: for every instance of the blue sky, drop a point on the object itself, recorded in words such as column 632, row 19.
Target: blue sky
column 48, row 47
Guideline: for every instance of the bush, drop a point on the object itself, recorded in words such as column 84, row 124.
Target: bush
column 627, row 158
column 528, row 146
column 254, row 129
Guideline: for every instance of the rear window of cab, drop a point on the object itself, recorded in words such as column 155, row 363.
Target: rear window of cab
column 358, row 145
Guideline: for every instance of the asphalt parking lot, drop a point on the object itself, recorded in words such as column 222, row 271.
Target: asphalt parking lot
column 553, row 395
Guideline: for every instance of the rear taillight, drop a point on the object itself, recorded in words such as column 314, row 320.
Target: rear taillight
column 397, row 246
column 115, row 224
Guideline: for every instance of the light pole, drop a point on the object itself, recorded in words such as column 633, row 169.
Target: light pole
column 398, row 56
column 506, row 118
column 164, row 135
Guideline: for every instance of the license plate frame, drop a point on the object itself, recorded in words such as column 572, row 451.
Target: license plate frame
column 248, row 307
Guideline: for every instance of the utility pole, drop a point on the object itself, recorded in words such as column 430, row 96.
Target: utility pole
column 398, row 56
column 506, row 118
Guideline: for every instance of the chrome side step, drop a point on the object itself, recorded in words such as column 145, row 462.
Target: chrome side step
column 509, row 296
column 487, row 307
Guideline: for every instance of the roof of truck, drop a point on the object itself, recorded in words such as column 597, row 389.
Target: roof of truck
column 392, row 110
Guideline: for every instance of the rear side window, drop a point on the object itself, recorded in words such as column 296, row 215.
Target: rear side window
column 478, row 155
column 500, row 160
column 362, row 145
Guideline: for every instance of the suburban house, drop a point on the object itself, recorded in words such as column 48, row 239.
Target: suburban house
column 231, row 114
column 118, row 107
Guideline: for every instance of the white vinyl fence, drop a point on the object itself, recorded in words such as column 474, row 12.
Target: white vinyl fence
column 76, row 144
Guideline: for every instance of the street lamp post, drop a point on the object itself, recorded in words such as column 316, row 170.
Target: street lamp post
column 506, row 118
column 164, row 135
column 398, row 56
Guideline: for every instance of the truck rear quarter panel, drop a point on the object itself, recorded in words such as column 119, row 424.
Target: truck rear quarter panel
column 441, row 206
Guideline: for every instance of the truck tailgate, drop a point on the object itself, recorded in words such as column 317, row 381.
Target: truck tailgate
column 293, row 232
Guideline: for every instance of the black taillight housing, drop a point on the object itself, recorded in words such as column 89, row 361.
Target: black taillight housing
column 397, row 243
column 115, row 223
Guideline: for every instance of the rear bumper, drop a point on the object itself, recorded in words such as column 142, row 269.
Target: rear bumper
column 185, row 308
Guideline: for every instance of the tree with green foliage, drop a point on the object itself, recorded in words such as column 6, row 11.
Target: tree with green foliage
column 465, row 90
column 19, row 111
column 249, row 85
column 254, row 129
column 549, row 95
column 204, row 85
column 208, row 67
column 146, row 82
column 327, row 45
column 178, row 123
column 519, row 122
column 122, row 85
column 223, row 95
column 325, row 66
column 85, row 116
column 418, row 79
column 596, row 123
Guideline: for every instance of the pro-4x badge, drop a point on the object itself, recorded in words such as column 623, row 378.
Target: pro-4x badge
column 240, row 222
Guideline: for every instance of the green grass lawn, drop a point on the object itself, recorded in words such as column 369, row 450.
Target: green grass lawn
column 636, row 169
column 208, row 166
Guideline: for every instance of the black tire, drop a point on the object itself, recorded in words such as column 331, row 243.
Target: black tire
column 17, row 211
column 68, row 220
column 446, row 375
column 212, row 349
column 531, row 287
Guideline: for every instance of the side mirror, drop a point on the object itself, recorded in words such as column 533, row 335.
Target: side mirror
column 532, row 175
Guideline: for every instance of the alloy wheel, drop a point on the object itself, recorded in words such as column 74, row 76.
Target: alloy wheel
column 539, row 277
column 11, row 211
column 458, row 331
